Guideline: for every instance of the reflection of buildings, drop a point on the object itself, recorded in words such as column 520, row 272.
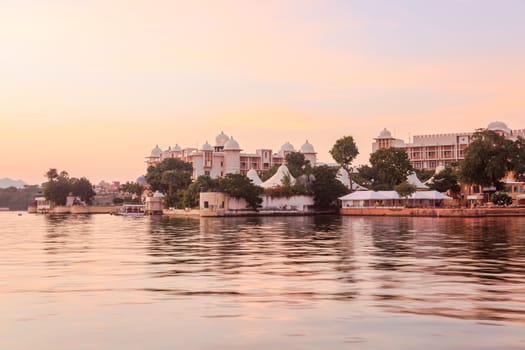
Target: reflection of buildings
column 431, row 151
column 226, row 157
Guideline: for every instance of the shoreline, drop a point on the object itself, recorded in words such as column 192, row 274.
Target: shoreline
column 434, row 212
column 410, row 212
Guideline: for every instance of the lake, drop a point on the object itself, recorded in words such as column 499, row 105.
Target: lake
column 109, row 282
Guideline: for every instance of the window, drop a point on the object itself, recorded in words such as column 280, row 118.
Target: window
column 222, row 205
column 207, row 172
column 206, row 204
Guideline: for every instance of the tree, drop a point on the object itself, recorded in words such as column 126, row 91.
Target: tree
column 446, row 180
column 488, row 158
column 501, row 198
column 57, row 188
column 405, row 190
column 192, row 193
column 239, row 186
column 51, row 174
column 390, row 166
column 133, row 188
column 326, row 188
column 297, row 164
column 344, row 152
column 180, row 176
column 518, row 158
column 83, row 189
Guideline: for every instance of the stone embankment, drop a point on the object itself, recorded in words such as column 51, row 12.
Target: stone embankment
column 78, row 209
column 434, row 212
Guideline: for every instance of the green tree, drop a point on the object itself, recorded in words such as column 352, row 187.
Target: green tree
column 405, row 190
column 326, row 188
column 390, row 167
column 192, row 193
column 344, row 152
column 132, row 188
column 446, row 180
column 501, row 198
column 83, row 189
column 488, row 158
column 58, row 188
column 179, row 176
column 239, row 186
column 297, row 164
column 51, row 174
column 518, row 158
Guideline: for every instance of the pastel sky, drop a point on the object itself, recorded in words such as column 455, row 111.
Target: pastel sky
column 92, row 86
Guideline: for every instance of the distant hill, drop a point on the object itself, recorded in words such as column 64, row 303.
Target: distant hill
column 7, row 182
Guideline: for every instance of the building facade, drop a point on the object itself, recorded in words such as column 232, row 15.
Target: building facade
column 227, row 157
column 427, row 152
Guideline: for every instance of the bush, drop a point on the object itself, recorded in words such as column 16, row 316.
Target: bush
column 501, row 198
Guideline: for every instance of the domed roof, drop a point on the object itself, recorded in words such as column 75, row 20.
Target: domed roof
column 287, row 147
column 207, row 147
column 156, row 152
column 307, row 148
column 221, row 139
column 499, row 126
column 232, row 145
column 141, row 180
column 385, row 134
column 176, row 148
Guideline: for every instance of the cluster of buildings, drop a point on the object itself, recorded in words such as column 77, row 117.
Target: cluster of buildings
column 227, row 157
column 427, row 152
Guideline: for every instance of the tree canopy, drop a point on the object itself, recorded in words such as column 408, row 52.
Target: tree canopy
column 326, row 188
column 239, row 186
column 488, row 158
column 446, row 180
column 171, row 176
column 344, row 152
column 297, row 164
column 60, row 185
column 389, row 167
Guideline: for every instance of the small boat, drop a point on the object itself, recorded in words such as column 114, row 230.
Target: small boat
column 132, row 210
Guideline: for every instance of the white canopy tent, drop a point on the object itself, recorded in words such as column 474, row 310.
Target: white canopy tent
column 277, row 179
column 391, row 199
column 254, row 177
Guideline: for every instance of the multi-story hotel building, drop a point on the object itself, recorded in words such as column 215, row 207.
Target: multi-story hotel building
column 430, row 151
column 226, row 157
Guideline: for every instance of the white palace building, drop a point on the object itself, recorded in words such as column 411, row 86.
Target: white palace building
column 226, row 157
column 431, row 151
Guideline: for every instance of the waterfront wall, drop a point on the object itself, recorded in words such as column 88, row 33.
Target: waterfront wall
column 434, row 212
column 79, row 209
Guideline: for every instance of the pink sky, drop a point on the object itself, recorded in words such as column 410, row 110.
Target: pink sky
column 92, row 86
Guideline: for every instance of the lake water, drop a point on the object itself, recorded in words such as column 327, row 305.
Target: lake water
column 108, row 282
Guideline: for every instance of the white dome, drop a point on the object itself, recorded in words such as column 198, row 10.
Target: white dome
column 499, row 126
column 176, row 148
column 207, row 147
column 307, row 148
column 221, row 139
column 287, row 147
column 156, row 152
column 385, row 134
column 157, row 194
column 232, row 145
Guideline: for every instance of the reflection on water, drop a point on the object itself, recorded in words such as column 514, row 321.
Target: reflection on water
column 272, row 282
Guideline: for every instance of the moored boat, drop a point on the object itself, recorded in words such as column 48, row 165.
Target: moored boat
column 132, row 210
